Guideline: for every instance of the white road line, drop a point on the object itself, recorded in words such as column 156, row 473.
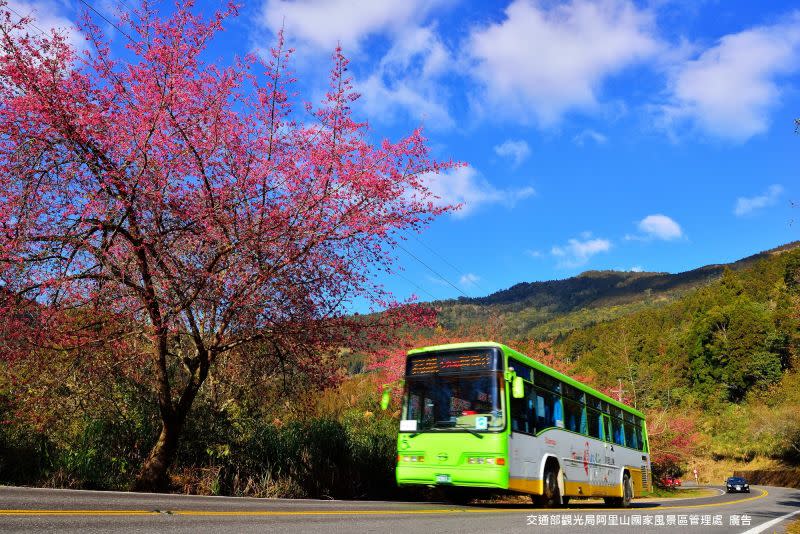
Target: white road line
column 765, row 526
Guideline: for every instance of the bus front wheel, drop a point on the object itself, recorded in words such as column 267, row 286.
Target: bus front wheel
column 551, row 495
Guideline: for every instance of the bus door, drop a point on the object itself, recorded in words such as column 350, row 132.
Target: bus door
column 607, row 470
column 523, row 445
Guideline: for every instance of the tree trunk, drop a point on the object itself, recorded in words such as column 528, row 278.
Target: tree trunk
column 153, row 475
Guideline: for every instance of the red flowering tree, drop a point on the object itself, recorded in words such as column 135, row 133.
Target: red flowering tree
column 190, row 203
column 673, row 440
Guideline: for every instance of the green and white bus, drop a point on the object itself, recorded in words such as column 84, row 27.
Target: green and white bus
column 482, row 416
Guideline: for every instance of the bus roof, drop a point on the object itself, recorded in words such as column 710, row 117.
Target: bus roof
column 533, row 363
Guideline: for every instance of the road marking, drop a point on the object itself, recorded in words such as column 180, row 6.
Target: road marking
column 765, row 526
column 79, row 512
column 232, row 513
column 429, row 511
column 706, row 496
column 764, row 493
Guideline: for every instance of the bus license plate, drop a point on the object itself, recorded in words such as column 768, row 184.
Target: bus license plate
column 443, row 479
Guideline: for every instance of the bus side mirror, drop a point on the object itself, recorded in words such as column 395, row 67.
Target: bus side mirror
column 517, row 388
column 386, row 398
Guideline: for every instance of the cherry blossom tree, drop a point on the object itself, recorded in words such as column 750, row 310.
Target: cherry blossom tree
column 191, row 203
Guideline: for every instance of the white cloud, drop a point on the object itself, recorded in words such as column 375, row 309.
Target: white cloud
column 469, row 279
column 466, row 186
column 322, row 24
column 729, row 89
column 745, row 205
column 660, row 227
column 636, row 269
column 590, row 135
column 545, row 58
column 48, row 15
column 406, row 81
column 517, row 150
column 534, row 253
column 579, row 251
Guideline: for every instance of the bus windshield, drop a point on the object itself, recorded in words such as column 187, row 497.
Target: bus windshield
column 471, row 402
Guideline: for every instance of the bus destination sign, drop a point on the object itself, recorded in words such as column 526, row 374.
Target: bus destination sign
column 450, row 361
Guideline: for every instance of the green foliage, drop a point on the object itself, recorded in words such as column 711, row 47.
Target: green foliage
column 24, row 455
column 726, row 353
column 75, row 449
column 735, row 347
column 322, row 457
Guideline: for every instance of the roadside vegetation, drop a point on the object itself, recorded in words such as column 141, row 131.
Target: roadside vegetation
column 178, row 244
column 285, row 435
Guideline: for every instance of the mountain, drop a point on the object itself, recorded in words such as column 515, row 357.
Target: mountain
column 555, row 307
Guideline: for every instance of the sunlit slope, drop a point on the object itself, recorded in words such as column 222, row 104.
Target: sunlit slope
column 555, row 307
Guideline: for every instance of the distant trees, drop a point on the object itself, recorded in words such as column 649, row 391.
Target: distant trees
column 152, row 202
column 734, row 336
column 736, row 346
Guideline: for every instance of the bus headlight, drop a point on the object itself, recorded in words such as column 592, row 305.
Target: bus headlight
column 411, row 458
column 491, row 460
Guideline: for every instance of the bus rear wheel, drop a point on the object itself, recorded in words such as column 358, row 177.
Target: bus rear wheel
column 551, row 495
column 627, row 494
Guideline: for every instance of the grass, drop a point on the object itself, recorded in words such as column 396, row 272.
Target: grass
column 793, row 527
column 716, row 471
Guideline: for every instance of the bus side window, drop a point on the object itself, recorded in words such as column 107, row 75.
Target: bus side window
column 584, row 421
column 630, row 436
column 619, row 436
column 522, row 412
column 541, row 411
column 594, row 422
column 575, row 419
column 639, row 438
column 544, row 410
column 607, row 428
column 549, row 410
column 558, row 411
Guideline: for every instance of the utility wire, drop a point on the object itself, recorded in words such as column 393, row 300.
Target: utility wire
column 455, row 268
column 451, row 284
column 21, row 17
column 90, row 6
column 130, row 8
column 416, row 285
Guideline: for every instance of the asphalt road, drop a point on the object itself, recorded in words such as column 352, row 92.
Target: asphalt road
column 766, row 509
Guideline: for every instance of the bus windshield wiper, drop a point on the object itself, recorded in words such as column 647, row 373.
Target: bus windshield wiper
column 471, row 431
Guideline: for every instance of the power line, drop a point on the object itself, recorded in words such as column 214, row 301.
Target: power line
column 432, row 270
column 130, row 8
column 21, row 17
column 455, row 268
column 415, row 285
column 87, row 4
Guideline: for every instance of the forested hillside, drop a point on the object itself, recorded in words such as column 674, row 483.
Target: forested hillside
column 726, row 354
column 546, row 309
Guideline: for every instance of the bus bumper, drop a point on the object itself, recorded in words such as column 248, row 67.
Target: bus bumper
column 476, row 477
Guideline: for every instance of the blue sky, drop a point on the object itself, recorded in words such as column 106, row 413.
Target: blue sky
column 600, row 134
